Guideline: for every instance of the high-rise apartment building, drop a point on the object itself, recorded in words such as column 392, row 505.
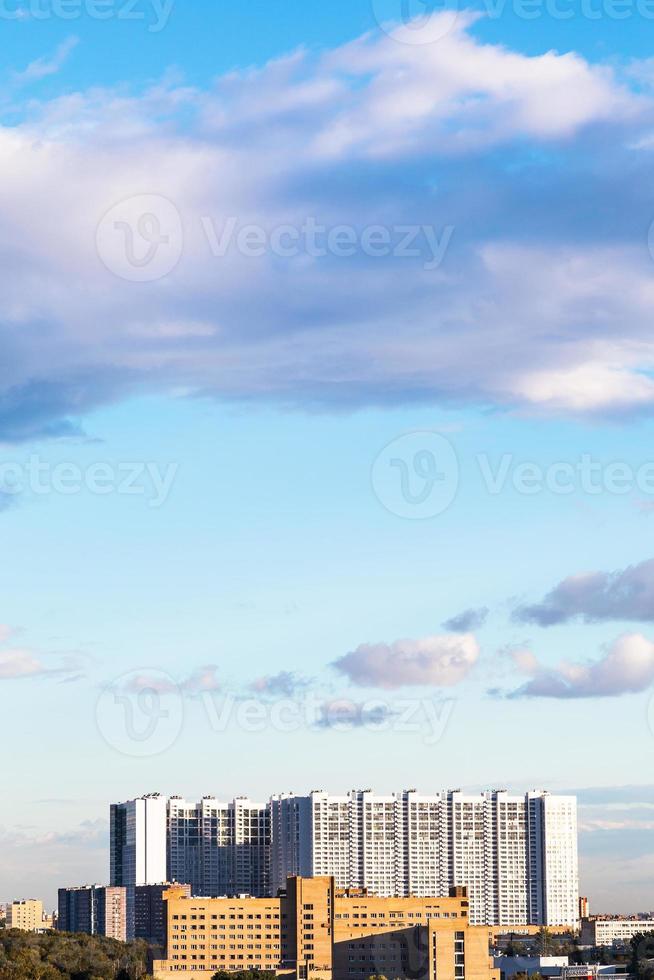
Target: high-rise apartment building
column 553, row 872
column 217, row 848
column 392, row 845
column 138, row 847
column 93, row 909
column 517, row 855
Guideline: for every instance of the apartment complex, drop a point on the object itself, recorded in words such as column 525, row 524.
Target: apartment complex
column 598, row 931
column 28, row 916
column 313, row 928
column 93, row 909
column 517, row 855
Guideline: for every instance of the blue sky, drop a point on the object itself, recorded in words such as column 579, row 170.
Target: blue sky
column 404, row 498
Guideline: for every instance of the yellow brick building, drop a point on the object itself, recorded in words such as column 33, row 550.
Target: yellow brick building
column 27, row 916
column 313, row 930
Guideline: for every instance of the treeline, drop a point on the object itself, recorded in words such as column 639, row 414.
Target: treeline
column 69, row 956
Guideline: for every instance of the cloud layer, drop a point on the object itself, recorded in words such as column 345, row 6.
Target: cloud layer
column 597, row 596
column 509, row 317
column 627, row 667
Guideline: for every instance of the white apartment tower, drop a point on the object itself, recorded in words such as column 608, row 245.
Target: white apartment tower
column 553, row 862
column 517, row 855
column 138, row 846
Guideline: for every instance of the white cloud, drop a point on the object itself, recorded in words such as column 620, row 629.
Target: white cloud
column 42, row 67
column 286, row 683
column 433, row 661
column 198, row 681
column 524, row 660
column 18, row 664
column 627, row 667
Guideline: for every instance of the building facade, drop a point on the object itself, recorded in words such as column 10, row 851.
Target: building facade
column 93, row 909
column 138, row 847
column 598, row 931
column 150, row 911
column 517, row 855
column 219, row 848
column 314, row 929
column 26, row 915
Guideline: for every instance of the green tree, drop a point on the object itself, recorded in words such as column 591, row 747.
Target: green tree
column 641, row 958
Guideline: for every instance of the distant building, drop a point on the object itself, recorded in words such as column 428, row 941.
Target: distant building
column 94, row 909
column 604, row 932
column 584, row 907
column 27, row 916
column 556, row 967
column 547, row 966
column 517, row 855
